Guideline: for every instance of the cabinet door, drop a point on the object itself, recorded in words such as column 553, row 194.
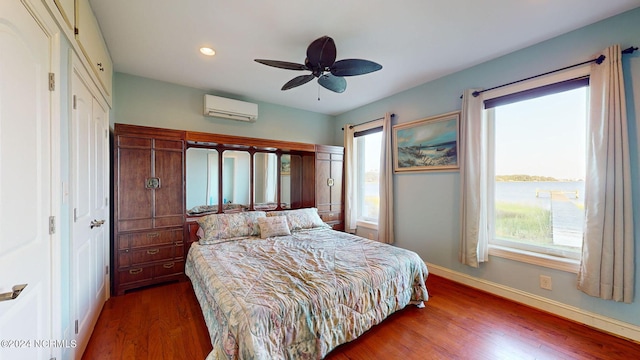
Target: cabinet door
column 133, row 169
column 169, row 197
column 92, row 44
column 67, row 10
column 323, row 174
column 336, row 188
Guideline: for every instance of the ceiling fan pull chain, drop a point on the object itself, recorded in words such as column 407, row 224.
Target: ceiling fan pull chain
column 318, row 92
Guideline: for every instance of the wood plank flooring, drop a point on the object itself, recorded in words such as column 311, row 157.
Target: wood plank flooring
column 458, row 322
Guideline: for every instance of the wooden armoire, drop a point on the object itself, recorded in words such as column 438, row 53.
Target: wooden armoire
column 152, row 230
column 329, row 179
column 149, row 206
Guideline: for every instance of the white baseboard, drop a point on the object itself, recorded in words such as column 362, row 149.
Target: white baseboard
column 597, row 321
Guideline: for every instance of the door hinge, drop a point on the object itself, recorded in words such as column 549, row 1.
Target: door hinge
column 76, row 327
column 106, row 270
column 106, row 201
column 75, row 31
column 75, row 214
column 52, row 225
column 52, row 81
column 74, row 102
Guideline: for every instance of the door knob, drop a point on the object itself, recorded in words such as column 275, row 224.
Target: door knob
column 96, row 223
column 16, row 290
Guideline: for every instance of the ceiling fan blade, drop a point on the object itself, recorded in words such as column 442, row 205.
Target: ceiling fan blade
column 282, row 64
column 297, row 81
column 334, row 83
column 321, row 53
column 352, row 67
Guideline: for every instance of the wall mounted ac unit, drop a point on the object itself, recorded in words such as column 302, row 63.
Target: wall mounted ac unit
column 230, row 108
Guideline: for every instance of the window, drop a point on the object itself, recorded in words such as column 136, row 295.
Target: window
column 367, row 145
column 537, row 165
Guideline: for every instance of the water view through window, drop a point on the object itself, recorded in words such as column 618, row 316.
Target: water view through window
column 539, row 160
column 369, row 175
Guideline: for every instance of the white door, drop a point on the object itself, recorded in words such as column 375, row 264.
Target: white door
column 25, row 183
column 100, row 148
column 89, row 184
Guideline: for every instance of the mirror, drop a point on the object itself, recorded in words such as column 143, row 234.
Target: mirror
column 220, row 175
column 265, row 181
column 285, row 181
column 236, row 180
column 202, row 180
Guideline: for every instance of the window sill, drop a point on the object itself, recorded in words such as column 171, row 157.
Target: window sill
column 367, row 224
column 568, row 265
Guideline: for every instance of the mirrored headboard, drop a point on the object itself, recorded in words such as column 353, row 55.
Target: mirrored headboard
column 231, row 174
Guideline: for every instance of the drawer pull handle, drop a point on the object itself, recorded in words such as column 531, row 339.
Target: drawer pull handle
column 153, row 251
column 135, row 271
column 152, row 235
column 168, row 265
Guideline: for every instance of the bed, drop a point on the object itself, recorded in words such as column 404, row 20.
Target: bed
column 294, row 288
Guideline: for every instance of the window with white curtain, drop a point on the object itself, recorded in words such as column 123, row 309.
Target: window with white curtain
column 368, row 141
column 537, row 157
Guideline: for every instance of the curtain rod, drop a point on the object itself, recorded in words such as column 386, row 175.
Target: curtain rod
column 597, row 60
column 366, row 122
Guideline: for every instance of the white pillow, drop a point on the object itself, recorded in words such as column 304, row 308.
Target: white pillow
column 298, row 219
column 273, row 226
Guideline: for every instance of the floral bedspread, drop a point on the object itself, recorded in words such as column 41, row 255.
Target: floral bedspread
column 299, row 296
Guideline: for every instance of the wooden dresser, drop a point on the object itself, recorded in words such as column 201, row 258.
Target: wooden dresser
column 149, row 210
column 329, row 180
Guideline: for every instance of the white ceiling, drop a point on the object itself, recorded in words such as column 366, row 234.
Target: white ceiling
column 414, row 40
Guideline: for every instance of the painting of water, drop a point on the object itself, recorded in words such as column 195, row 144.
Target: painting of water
column 428, row 144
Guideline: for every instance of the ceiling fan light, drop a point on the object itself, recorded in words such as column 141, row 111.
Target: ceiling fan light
column 207, row 51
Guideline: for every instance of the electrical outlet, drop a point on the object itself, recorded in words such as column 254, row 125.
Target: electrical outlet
column 545, row 282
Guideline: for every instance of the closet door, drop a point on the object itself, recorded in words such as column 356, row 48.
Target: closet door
column 89, row 189
column 25, row 182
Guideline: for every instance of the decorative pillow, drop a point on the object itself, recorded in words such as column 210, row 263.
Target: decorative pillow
column 273, row 226
column 219, row 227
column 299, row 219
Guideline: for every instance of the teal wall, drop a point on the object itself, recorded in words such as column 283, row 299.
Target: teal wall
column 427, row 204
column 142, row 101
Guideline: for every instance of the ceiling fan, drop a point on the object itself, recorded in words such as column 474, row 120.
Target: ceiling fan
column 321, row 61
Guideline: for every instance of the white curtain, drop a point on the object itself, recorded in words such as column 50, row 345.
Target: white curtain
column 271, row 173
column 607, row 266
column 474, row 242
column 350, row 215
column 385, row 217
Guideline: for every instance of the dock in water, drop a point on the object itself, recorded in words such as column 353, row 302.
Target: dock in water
column 567, row 227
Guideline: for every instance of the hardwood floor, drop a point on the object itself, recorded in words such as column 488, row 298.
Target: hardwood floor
column 458, row 322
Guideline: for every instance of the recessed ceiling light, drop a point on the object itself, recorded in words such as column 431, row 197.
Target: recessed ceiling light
column 207, row 51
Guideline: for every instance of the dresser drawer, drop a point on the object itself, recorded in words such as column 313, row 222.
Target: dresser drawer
column 150, row 273
column 136, row 274
column 331, row 216
column 133, row 257
column 150, row 238
column 168, row 268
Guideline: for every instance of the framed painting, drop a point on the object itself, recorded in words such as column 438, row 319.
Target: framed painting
column 285, row 165
column 429, row 144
